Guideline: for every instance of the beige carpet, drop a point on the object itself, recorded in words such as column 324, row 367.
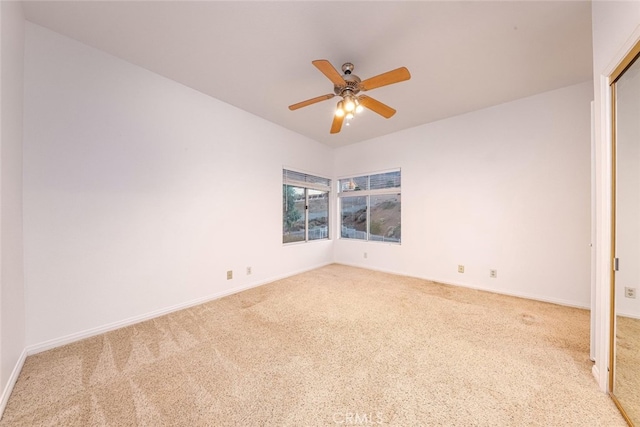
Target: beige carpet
column 627, row 375
column 335, row 346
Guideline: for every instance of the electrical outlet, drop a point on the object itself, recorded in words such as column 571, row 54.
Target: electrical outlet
column 365, row 255
column 460, row 268
column 248, row 271
column 229, row 274
column 629, row 292
column 493, row 273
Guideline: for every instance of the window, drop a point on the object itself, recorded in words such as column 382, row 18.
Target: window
column 370, row 207
column 305, row 207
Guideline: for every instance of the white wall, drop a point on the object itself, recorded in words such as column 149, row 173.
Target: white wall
column 503, row 188
column 12, row 303
column 140, row 193
column 615, row 30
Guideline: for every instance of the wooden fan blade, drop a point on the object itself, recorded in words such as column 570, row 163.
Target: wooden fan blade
column 398, row 75
column 311, row 101
column 376, row 106
column 337, row 124
column 329, row 71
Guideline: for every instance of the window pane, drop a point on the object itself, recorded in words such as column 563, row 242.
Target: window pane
column 385, row 218
column 292, row 214
column 353, row 211
column 385, row 180
column 354, row 184
column 318, row 214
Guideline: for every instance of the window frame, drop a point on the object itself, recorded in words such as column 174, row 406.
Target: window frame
column 368, row 193
column 306, row 181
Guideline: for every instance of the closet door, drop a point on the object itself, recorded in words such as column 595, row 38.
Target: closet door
column 625, row 369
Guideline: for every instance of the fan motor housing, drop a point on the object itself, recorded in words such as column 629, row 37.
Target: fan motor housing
column 352, row 84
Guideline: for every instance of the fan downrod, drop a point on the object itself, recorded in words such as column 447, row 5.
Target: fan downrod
column 352, row 82
column 347, row 68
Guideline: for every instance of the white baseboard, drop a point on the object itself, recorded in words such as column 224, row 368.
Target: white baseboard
column 596, row 373
column 524, row 295
column 479, row 288
column 13, row 378
column 77, row 336
column 629, row 315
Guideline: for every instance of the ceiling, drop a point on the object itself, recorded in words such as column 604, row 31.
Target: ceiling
column 462, row 56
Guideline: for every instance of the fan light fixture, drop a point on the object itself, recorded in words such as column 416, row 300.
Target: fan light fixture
column 349, row 105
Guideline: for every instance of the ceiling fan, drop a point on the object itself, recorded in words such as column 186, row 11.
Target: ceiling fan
column 347, row 86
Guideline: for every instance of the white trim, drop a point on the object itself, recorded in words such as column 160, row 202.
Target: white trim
column 532, row 297
column 629, row 315
column 13, row 378
column 592, row 237
column 303, row 242
column 479, row 288
column 603, row 215
column 309, row 185
column 625, row 49
column 595, row 372
column 603, row 238
column 376, row 192
column 77, row 336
